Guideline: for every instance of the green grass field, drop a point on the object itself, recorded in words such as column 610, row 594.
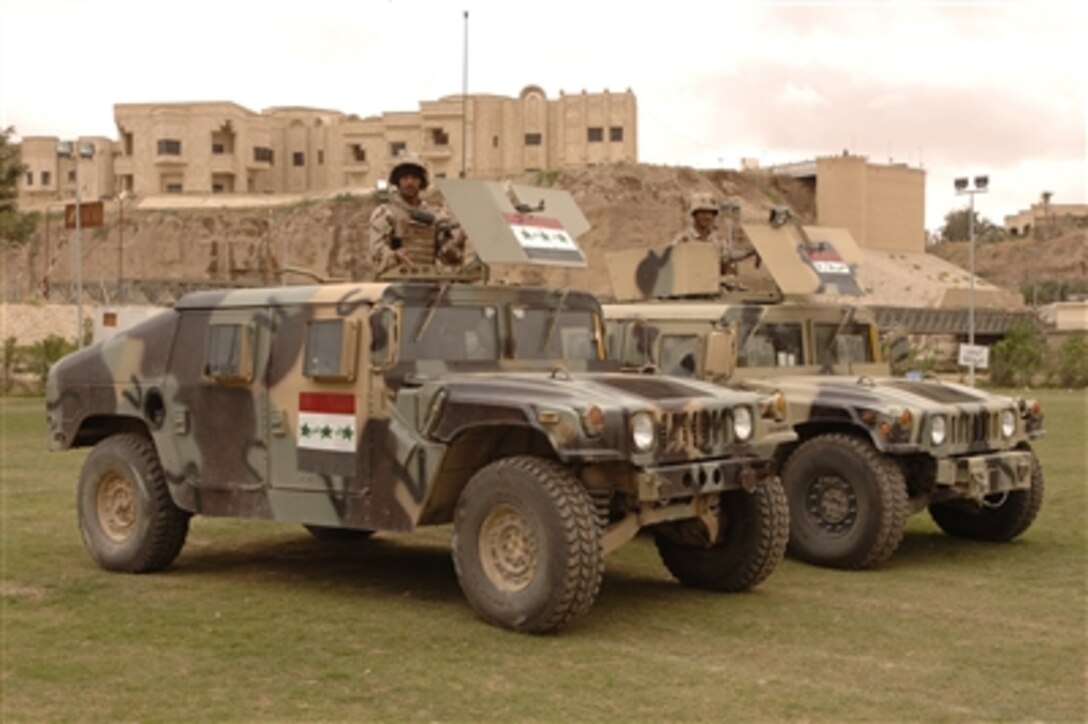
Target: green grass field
column 257, row 621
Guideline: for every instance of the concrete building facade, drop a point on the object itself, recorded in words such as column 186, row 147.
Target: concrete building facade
column 1042, row 214
column 222, row 147
column 883, row 206
column 53, row 165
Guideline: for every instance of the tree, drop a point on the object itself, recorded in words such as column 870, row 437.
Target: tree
column 956, row 223
column 15, row 226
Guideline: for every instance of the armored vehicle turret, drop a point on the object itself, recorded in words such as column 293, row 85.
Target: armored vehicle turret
column 368, row 407
column 871, row 449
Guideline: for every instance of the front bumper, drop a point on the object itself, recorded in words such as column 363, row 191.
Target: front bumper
column 977, row 476
column 683, row 480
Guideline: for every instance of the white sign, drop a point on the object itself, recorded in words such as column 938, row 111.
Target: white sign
column 974, row 354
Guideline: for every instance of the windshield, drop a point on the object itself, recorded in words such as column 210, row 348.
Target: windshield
column 850, row 345
column 545, row 334
column 772, row 345
column 450, row 333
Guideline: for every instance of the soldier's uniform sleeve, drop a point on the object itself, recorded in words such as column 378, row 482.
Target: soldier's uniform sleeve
column 382, row 230
column 679, row 238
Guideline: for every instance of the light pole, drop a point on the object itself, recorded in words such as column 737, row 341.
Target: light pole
column 963, row 186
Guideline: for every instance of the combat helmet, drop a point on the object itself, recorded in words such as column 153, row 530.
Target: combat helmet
column 409, row 162
column 702, row 201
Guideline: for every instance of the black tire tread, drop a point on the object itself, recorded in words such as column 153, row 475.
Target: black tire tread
column 891, row 488
column 735, row 571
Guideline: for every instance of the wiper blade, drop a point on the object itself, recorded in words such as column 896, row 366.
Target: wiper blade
column 431, row 309
column 553, row 320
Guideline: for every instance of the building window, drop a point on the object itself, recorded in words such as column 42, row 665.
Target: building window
column 173, row 188
column 126, row 141
column 320, row 156
column 217, row 188
column 494, row 141
column 218, row 149
column 595, row 134
column 46, row 178
column 29, row 178
column 533, row 139
column 71, row 177
column 440, row 137
column 298, row 158
column 169, row 147
column 615, row 133
column 262, row 153
column 357, row 152
column 396, row 148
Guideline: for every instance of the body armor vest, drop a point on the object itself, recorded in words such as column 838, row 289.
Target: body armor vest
column 417, row 240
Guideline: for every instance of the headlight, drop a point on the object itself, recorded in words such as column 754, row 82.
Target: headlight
column 1008, row 423
column 642, row 431
column 742, row 423
column 938, row 429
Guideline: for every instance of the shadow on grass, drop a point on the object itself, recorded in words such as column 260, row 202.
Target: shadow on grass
column 922, row 548
column 385, row 567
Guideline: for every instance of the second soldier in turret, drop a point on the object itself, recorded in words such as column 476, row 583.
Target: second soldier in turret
column 703, row 229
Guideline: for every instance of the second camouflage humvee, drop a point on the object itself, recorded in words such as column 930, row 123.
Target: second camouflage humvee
column 871, row 449
column 385, row 406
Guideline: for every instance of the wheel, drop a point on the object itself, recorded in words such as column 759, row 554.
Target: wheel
column 126, row 516
column 527, row 545
column 753, row 541
column 1003, row 518
column 848, row 502
column 327, row 534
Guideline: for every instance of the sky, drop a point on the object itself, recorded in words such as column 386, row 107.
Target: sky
column 966, row 89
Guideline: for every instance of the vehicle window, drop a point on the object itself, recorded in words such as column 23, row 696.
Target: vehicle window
column 326, row 355
column 224, row 354
column 678, row 355
column 773, row 345
column 851, row 344
column 450, row 333
column 540, row 334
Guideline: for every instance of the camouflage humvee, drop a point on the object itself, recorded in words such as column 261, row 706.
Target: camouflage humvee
column 871, row 449
column 363, row 407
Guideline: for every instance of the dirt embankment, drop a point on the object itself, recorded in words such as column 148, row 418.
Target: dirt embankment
column 1018, row 263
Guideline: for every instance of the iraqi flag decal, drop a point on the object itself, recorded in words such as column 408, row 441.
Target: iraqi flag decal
column 326, row 421
column 542, row 237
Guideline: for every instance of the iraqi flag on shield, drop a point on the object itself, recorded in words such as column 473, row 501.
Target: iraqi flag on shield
column 326, row 434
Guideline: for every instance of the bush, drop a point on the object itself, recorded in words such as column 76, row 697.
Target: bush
column 45, row 354
column 1071, row 367
column 1018, row 358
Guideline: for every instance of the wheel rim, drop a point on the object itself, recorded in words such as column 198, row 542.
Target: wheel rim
column 831, row 503
column 116, row 506
column 507, row 549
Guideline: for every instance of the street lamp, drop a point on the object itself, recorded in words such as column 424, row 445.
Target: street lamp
column 963, row 186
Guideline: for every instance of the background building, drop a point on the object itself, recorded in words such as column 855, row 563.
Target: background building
column 222, row 147
column 883, row 206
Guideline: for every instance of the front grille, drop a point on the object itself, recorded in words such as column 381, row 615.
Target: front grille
column 971, row 428
column 693, row 430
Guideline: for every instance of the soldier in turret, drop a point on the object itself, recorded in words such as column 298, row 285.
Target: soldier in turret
column 704, row 214
column 406, row 230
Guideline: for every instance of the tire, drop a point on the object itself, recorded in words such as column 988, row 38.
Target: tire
column 753, row 542
column 327, row 534
column 998, row 524
column 848, row 502
column 127, row 518
column 527, row 545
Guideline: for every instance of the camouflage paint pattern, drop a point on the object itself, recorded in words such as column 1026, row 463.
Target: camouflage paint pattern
column 253, row 414
column 832, row 386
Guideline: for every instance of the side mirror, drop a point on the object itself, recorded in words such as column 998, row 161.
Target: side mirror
column 384, row 337
column 898, row 349
column 720, row 358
